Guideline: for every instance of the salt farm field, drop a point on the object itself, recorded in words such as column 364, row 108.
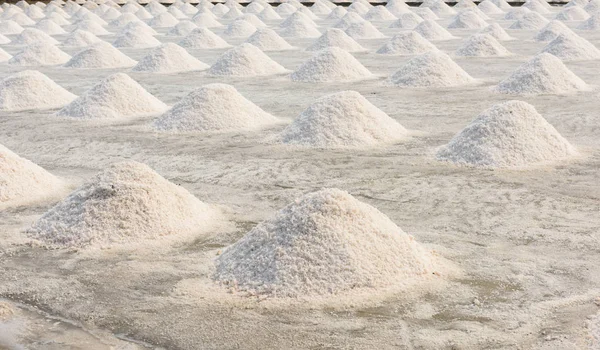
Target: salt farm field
column 522, row 244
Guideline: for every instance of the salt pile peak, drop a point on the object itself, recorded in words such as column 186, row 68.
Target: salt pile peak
column 136, row 39
column 245, row 60
column 530, row 21
column 332, row 64
column 363, row 30
column 169, row 58
column 31, row 90
column 100, row 55
column 431, row 69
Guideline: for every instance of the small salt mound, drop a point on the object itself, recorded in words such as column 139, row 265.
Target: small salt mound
column 214, row 107
column 203, row 38
column 80, row 38
column 232, row 14
column 467, row 20
column 552, row 31
column 344, row 119
column 336, row 38
column 92, row 18
column 307, row 12
column 574, row 13
column 254, row 7
column 137, row 27
column 530, row 21
column 359, row 8
column 496, row 31
column 239, row 29
column 10, row 27
column 219, row 10
column 432, row 69
column 482, row 45
column 593, row 23
column 92, row 27
column 337, row 13
column 176, row 13
column 111, row 14
column 426, row 14
column 31, row 90
column 268, row 14
column 407, row 20
column 4, row 56
column 49, row 27
column 510, row 134
column 430, row 30
column 409, row 43
column 169, row 58
column 35, row 12
column 163, row 20
column 324, row 243
column 182, row 28
column 544, row 74
column 440, row 8
column 332, row 64
column 267, row 40
column 517, row 13
column 23, row 180
column 251, row 18
column 100, row 55
column 136, row 39
column 572, row 47
column 299, row 29
column 143, row 15
column 379, row 13
column 58, row 19
column 489, row 8
column 502, row 4
column 206, row 20
column 40, row 54
column 397, row 7
column 245, row 60
column 4, row 40
column 22, row 19
column 321, row 8
column 123, row 20
column 348, row 19
column 363, row 30
column 536, row 7
column 592, row 7
column 155, row 8
column 465, row 4
column 33, row 36
column 124, row 203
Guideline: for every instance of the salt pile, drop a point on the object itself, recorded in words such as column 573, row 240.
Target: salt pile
column 169, row 58
column 138, row 26
column 10, row 27
column 116, row 97
column 254, row 7
column 219, row 10
column 31, row 90
column 23, row 180
column 206, row 20
column 510, row 134
column 574, row 13
column 572, row 47
column 232, row 14
column 126, row 202
column 430, row 30
column 4, row 56
column 409, row 43
column 182, row 28
column 482, row 45
column 136, row 39
column 267, row 40
column 80, row 38
column 337, row 13
column 467, row 20
column 4, row 40
column 255, row 21
column 363, row 30
column 332, row 64
column 347, row 20
column 321, row 8
column 123, row 20
column 397, row 7
column 203, row 38
column 592, row 7
column 33, row 36
column 299, row 26
column 100, row 55
column 426, row 14
column 496, row 31
column 517, row 13
column 22, row 19
column 163, row 20
column 489, row 8
column 176, row 13
column 58, row 19
column 92, row 27
column 239, row 29
column 439, row 8
column 143, row 15
column 336, row 38
column 552, row 31
column 49, row 27
column 359, row 8
column 544, row 74
column 502, row 4
column 379, row 13
column 530, row 21
column 537, row 7
column 343, row 119
column 34, row 12
column 40, row 54
column 593, row 23
column 314, row 246
column 268, row 14
column 407, row 20
column 214, row 107
column 245, row 60
column 155, row 8
column 432, row 69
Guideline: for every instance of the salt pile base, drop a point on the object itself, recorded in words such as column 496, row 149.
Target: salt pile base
column 331, row 65
column 169, row 58
column 409, row 43
column 31, row 90
column 100, row 55
column 482, row 45
column 432, row 69
column 245, row 60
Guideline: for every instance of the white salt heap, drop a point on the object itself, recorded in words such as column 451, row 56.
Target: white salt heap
column 203, row 38
column 136, row 39
column 348, row 19
column 92, row 27
column 551, row 31
column 397, row 7
column 407, row 20
column 574, row 13
column 496, row 31
column 343, row 119
column 169, row 58
column 324, row 243
column 8, row 27
column 137, row 27
column 268, row 14
column 40, row 54
column 124, row 203
column 467, row 20
column 239, row 29
column 80, row 38
column 409, row 43
column 332, row 64
column 516, row 13
column 22, row 180
column 336, row 14
column 543, row 74
column 432, row 69
column 530, row 21
column 363, row 30
column 510, row 134
column 116, row 97
column 489, row 8
column 439, row 8
column 245, row 60
column 206, row 20
column 426, row 13
column 482, row 45
column 182, row 28
column 31, row 90
column 572, row 47
column 430, row 30
column 299, row 26
column 593, row 23
column 379, row 13
column 267, row 40
column 4, row 56
column 49, row 27
column 4, row 40
column 31, row 36
column 100, row 55
column 214, row 107
column 335, row 38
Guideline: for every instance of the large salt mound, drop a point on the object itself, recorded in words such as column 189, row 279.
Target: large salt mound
column 206, row 20
column 10, row 27
column 516, row 13
column 397, row 7
column 239, row 29
column 510, row 134
column 489, row 8
column 593, row 23
column 182, row 28
column 169, row 58
column 551, row 31
column 426, row 14
column 92, row 27
column 496, row 31
column 137, row 27
column 530, row 21
column 348, row 19
column 214, row 107
column 49, row 27
column 407, row 20
column 332, row 64
column 268, row 14
column 324, row 243
column 80, row 38
column 432, row 69
column 379, row 13
column 482, row 45
column 40, row 54
column 343, row 119
column 136, row 39
column 440, row 8
column 335, row 38
column 363, row 30
column 245, row 60
column 116, row 97
column 31, row 90
column 124, row 203
column 574, row 13
column 299, row 28
column 33, row 36
column 543, row 74
column 430, row 30
column 267, row 40
column 123, row 20
column 572, row 47
column 203, row 38
column 409, row 43
column 22, row 180
column 467, row 20
column 100, row 55
column 337, row 13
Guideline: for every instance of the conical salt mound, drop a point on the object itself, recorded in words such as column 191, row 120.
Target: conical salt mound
column 331, row 65
column 22, row 180
column 496, row 31
column 31, row 90
column 31, row 36
column 116, row 97
column 363, row 30
column 4, row 40
column 343, row 119
column 40, row 54
column 430, row 30
column 336, row 14
column 409, row 43
column 510, row 134
column 379, row 13
column 482, row 45
column 268, row 14
column 267, row 40
column 245, row 60
column 551, row 31
column 49, row 27
column 397, row 7
column 543, row 74
column 100, row 55
column 574, row 13
column 4, row 56
column 92, row 27
column 182, row 28
column 593, row 23
column 502, row 4
column 426, row 14
column 80, row 38
column 203, row 38
column 489, row 8
column 407, row 20
column 163, row 20
column 324, row 243
column 239, row 29
column 467, row 20
column 169, row 58
column 206, row 20
column 139, row 26
column 124, row 203
column 299, row 29
column 214, row 107
column 136, row 39
column 10, row 27
column 572, row 47
column 122, row 21
column 432, row 69
column 530, row 21
column 336, row 38
column 440, row 8
column 516, row 13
